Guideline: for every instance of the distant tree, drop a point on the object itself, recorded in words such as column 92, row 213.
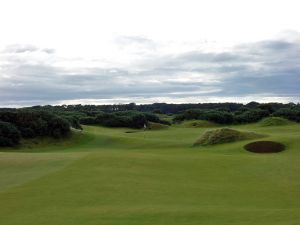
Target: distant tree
column 87, row 120
column 269, row 107
column 290, row 114
column 217, row 116
column 33, row 123
column 73, row 121
column 9, row 134
column 251, row 116
column 157, row 111
column 252, row 105
column 59, row 127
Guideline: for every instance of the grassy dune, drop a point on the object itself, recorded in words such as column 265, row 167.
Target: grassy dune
column 197, row 124
column 110, row 177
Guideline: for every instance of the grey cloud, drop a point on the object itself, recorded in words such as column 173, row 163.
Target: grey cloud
column 17, row 48
column 270, row 67
column 134, row 40
column 211, row 57
column 277, row 45
column 138, row 44
column 48, row 50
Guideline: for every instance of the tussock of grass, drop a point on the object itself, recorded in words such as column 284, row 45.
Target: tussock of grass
column 274, row 121
column 197, row 124
column 225, row 135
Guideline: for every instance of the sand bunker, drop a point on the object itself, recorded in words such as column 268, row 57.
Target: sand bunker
column 264, row 147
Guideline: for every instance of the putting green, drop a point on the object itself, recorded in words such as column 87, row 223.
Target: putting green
column 111, row 177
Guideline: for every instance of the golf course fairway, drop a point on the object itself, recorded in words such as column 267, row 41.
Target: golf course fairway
column 105, row 176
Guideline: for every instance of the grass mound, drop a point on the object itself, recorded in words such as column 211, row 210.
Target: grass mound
column 264, row 147
column 156, row 126
column 274, row 121
column 224, row 135
column 197, row 124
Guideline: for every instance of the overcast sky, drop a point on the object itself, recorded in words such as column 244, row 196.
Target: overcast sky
column 95, row 52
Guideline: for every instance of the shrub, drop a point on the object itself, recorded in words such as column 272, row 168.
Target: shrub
column 37, row 123
column 217, row 116
column 73, row 121
column 251, row 116
column 131, row 119
column 290, row 114
column 220, row 117
column 88, row 120
column 9, row 134
column 151, row 117
column 27, row 132
column 139, row 120
column 58, row 127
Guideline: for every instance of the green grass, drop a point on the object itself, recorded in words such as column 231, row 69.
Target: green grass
column 106, row 176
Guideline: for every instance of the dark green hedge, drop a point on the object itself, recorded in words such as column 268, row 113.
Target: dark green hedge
column 32, row 124
column 9, row 134
column 132, row 119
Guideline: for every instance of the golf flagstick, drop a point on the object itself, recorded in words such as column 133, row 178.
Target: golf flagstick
column 145, row 127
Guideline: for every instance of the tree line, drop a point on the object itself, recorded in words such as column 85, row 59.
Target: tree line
column 241, row 116
column 32, row 122
column 56, row 121
column 164, row 108
column 132, row 119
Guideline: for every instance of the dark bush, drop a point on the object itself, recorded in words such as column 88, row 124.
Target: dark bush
column 124, row 119
column 9, row 134
column 138, row 121
column 217, row 116
column 290, row 114
column 88, row 120
column 132, row 119
column 152, row 117
column 59, row 127
column 36, row 123
column 27, row 132
column 268, row 107
column 251, row 116
column 73, row 121
column 178, row 118
column 222, row 117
